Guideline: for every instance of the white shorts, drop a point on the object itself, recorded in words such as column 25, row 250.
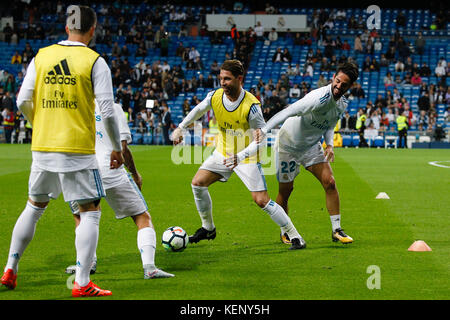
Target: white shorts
column 251, row 174
column 82, row 186
column 125, row 199
column 288, row 163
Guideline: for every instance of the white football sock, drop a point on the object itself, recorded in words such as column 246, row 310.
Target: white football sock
column 86, row 238
column 204, row 206
column 335, row 221
column 279, row 216
column 22, row 234
column 146, row 242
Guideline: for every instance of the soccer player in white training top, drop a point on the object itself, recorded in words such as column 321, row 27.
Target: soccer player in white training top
column 237, row 111
column 298, row 143
column 57, row 97
column 123, row 193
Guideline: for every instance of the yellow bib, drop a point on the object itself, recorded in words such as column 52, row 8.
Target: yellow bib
column 63, row 114
column 234, row 133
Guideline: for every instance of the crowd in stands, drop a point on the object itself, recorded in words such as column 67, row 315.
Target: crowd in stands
column 161, row 81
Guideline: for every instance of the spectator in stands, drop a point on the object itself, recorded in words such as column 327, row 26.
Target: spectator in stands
column 423, row 120
column 370, row 132
column 16, row 58
column 149, row 37
column 278, row 55
column 416, row 80
column 380, row 102
column 408, row 64
column 286, row 57
column 166, row 122
column 322, row 81
column 269, row 9
column 347, row 122
column 295, row 92
column 27, row 54
column 425, row 70
column 366, row 64
column 186, row 107
column 141, row 51
column 357, row 91
column 377, row 46
column 406, row 79
column 391, row 53
column 235, row 36
column 440, row 70
column 384, row 62
column 399, row 66
column 273, row 35
column 259, row 30
column 324, row 65
column 346, row 45
column 357, row 45
column 8, row 122
column 420, row 43
column 140, row 123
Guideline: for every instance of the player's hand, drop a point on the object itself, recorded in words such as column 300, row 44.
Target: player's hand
column 329, row 154
column 137, row 179
column 231, row 161
column 177, row 136
column 258, row 135
column 116, row 159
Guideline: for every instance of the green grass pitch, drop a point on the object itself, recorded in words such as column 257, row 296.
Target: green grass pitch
column 247, row 261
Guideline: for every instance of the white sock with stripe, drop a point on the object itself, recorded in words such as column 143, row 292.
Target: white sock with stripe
column 86, row 238
column 22, row 234
column 146, row 242
column 204, row 206
column 279, row 216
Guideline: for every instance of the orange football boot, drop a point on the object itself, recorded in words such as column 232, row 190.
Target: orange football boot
column 9, row 279
column 90, row 290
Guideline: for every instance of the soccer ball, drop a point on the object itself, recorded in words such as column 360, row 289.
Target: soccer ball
column 175, row 239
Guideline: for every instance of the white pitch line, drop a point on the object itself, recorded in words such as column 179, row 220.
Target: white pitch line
column 436, row 164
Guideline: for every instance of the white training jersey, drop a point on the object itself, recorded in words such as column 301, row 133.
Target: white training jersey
column 308, row 120
column 104, row 147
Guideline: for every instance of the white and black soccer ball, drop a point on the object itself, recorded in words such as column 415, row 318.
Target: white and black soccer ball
column 175, row 239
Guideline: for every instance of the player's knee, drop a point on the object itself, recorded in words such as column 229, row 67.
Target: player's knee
column 261, row 199
column 330, row 185
column 198, row 183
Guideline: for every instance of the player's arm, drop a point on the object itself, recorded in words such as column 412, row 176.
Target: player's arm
column 329, row 141
column 129, row 164
column 103, row 92
column 299, row 108
column 125, row 136
column 25, row 96
column 256, row 122
column 196, row 113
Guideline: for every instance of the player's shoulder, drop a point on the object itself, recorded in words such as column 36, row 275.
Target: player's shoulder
column 323, row 94
column 251, row 98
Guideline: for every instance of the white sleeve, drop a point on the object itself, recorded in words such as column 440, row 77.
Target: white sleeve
column 25, row 95
column 197, row 112
column 103, row 91
column 329, row 136
column 255, row 117
column 124, row 129
column 301, row 107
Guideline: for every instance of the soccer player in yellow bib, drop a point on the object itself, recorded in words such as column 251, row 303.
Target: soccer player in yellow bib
column 57, row 97
column 238, row 115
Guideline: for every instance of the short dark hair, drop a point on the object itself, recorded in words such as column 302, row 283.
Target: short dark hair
column 88, row 18
column 234, row 66
column 350, row 69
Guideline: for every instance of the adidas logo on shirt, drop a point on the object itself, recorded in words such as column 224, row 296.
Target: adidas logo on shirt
column 60, row 74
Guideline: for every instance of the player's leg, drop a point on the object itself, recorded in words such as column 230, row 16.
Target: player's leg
column 41, row 186
column 22, row 234
column 323, row 172
column 200, row 183
column 284, row 192
column 146, row 242
column 86, row 188
column 251, row 174
column 75, row 208
column 287, row 168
